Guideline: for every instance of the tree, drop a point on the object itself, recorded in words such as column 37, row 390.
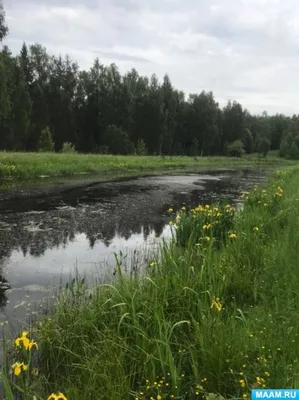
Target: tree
column 141, row 149
column 118, row 141
column 3, row 26
column 284, row 148
column 248, row 141
column 45, row 142
column 264, row 146
column 294, row 151
column 235, row 149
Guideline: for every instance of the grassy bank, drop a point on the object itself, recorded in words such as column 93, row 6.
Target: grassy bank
column 217, row 312
column 16, row 166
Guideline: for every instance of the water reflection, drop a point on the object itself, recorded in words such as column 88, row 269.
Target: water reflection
column 43, row 238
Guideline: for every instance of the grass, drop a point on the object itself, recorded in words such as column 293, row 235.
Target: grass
column 211, row 318
column 20, row 166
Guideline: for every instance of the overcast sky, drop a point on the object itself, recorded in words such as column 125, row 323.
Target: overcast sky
column 247, row 50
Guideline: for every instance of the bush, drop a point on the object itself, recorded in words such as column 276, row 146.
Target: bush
column 118, row 141
column 264, row 146
column 141, row 149
column 284, row 149
column 68, row 148
column 248, row 141
column 294, row 151
column 235, row 149
column 45, row 141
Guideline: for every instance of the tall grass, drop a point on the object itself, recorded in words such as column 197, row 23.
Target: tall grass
column 210, row 318
column 33, row 165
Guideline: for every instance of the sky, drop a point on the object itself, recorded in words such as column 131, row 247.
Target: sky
column 243, row 50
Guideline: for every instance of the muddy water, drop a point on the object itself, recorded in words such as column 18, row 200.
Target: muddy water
column 46, row 239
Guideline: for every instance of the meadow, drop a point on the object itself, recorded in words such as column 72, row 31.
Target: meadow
column 214, row 316
column 22, row 166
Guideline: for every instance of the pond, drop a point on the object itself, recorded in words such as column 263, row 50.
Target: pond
column 46, row 239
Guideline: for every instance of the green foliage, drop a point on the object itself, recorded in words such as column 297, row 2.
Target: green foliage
column 235, row 149
column 141, row 149
column 203, row 322
column 45, row 142
column 284, row 148
column 264, row 146
column 294, row 151
column 194, row 147
column 38, row 89
column 3, row 26
column 248, row 141
column 68, row 148
column 118, row 141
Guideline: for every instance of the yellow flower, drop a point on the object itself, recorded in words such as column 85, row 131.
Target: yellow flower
column 23, row 339
column 267, row 373
column 19, row 367
column 245, row 395
column 33, row 344
column 216, row 304
column 242, row 383
column 233, row 236
column 256, row 229
column 170, row 223
column 207, row 238
column 59, row 396
column 207, row 206
column 170, row 210
column 35, row 372
column 183, row 208
column 159, row 397
column 153, row 264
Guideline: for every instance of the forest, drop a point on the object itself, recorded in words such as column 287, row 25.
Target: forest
column 103, row 111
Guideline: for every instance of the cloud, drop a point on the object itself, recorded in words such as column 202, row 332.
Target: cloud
column 240, row 49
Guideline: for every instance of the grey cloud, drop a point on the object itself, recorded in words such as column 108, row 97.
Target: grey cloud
column 247, row 49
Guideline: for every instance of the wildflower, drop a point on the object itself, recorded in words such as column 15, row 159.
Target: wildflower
column 207, row 238
column 218, row 214
column 159, row 397
column 256, row 229
column 59, row 396
column 207, row 206
column 35, row 372
column 178, row 217
column 267, row 373
column 32, row 343
column 170, row 223
column 216, row 303
column 233, row 236
column 245, row 395
column 242, row 383
column 183, row 208
column 170, row 210
column 19, row 367
column 23, row 339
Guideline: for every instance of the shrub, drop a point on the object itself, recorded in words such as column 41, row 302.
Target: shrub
column 118, row 141
column 235, row 149
column 284, row 148
column 264, row 146
column 294, row 151
column 141, row 149
column 68, row 147
column 45, row 141
column 248, row 141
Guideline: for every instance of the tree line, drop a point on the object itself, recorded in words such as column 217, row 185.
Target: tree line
column 48, row 97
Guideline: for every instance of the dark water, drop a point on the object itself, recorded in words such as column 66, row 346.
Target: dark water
column 45, row 239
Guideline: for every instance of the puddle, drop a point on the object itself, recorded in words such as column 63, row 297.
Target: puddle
column 45, row 240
